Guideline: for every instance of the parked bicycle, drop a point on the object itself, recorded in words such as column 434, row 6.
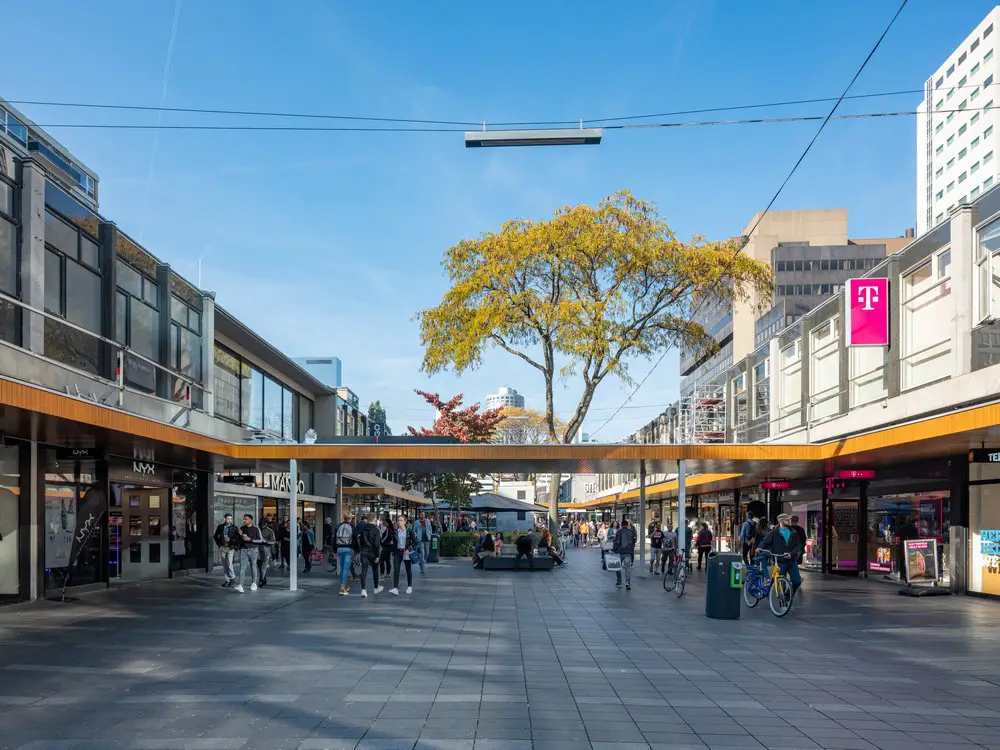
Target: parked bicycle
column 682, row 566
column 774, row 587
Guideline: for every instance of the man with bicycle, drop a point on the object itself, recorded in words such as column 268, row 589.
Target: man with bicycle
column 783, row 542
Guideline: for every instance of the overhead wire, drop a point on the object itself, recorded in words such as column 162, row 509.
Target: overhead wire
column 770, row 203
column 464, row 123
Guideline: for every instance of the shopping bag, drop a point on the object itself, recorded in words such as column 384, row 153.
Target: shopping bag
column 607, row 546
column 612, row 562
column 316, row 557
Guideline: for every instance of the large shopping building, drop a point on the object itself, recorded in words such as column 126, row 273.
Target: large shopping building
column 804, row 385
column 87, row 312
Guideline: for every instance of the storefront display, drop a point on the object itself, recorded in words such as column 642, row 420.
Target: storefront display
column 920, row 560
column 895, row 519
column 10, row 550
column 984, row 530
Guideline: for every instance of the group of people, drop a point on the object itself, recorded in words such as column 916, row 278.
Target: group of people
column 787, row 541
column 383, row 546
column 489, row 544
column 252, row 546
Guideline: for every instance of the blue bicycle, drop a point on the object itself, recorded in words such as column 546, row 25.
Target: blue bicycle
column 773, row 586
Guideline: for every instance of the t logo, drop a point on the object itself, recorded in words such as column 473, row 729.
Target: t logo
column 867, row 295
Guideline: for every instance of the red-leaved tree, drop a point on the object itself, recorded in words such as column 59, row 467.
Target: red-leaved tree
column 467, row 425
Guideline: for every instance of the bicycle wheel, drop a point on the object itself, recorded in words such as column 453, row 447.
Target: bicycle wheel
column 681, row 580
column 780, row 597
column 751, row 600
column 670, row 582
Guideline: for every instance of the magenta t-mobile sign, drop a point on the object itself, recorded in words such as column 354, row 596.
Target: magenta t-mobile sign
column 867, row 312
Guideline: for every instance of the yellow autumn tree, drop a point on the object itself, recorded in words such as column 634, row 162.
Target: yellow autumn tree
column 590, row 289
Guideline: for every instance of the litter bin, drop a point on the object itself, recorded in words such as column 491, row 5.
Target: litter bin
column 432, row 556
column 725, row 581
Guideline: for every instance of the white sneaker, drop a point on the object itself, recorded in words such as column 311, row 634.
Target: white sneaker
column 238, row 588
column 364, row 593
column 379, row 590
column 409, row 589
column 394, row 592
column 253, row 586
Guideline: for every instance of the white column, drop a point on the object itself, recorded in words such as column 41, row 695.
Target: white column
column 208, row 351
column 293, row 509
column 642, row 513
column 963, row 283
column 681, row 506
column 33, row 254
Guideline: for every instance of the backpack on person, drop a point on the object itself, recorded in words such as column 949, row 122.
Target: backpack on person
column 748, row 534
column 345, row 535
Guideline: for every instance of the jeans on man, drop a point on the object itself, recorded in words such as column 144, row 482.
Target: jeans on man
column 426, row 544
column 344, row 557
column 227, row 554
column 626, row 570
column 790, row 568
column 248, row 561
column 654, row 561
column 263, row 562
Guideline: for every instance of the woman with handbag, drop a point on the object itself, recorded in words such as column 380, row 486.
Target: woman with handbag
column 404, row 554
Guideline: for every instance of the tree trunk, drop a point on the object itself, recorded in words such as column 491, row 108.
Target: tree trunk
column 554, row 481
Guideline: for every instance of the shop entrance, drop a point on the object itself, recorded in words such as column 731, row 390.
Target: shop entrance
column 141, row 526
column 843, row 538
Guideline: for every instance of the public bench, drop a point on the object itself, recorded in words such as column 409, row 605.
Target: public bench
column 509, row 562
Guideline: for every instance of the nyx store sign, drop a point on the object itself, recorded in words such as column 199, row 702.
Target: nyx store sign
column 137, row 471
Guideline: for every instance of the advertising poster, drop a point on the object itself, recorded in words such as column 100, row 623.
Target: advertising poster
column 920, row 560
column 883, row 559
column 989, row 560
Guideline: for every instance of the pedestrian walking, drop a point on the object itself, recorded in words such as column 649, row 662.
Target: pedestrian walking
column 704, row 543
column 748, row 534
column 668, row 554
column 584, row 533
column 802, row 537
column 404, row 544
column 420, row 534
column 425, row 540
column 385, row 528
column 625, row 540
column 307, row 538
column 250, row 541
column 266, row 551
column 370, row 548
column 576, row 533
column 655, row 548
column 345, row 540
column 227, row 539
column 285, row 543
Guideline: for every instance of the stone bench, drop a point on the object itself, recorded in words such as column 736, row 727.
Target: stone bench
column 509, row 562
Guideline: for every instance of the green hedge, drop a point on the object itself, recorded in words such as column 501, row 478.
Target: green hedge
column 457, row 544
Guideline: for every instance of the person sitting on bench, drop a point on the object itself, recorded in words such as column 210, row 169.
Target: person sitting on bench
column 546, row 544
column 484, row 548
column 526, row 544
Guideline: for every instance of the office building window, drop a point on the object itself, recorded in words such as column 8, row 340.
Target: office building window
column 185, row 341
column 988, row 157
column 939, row 218
column 988, row 56
column 963, row 80
column 961, row 60
column 988, row 31
column 927, row 312
column 950, row 94
column 973, row 48
column 940, row 194
column 951, row 186
column 988, row 106
column 13, row 127
column 950, row 117
column 961, row 179
column 951, row 69
column 973, row 193
column 939, row 149
column 232, row 386
column 988, row 132
column 987, row 183
column 974, row 95
column 264, row 402
column 964, row 104
column 963, row 153
column 975, row 143
column 939, row 127
column 961, row 130
column 136, row 304
column 951, row 162
column 951, row 140
column 988, row 81
column 940, row 103
column 938, row 83
column 974, row 119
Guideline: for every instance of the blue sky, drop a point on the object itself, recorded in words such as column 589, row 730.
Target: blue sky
column 327, row 243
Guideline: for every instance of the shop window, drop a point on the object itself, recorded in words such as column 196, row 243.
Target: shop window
column 824, row 370
column 927, row 312
column 10, row 554
column 790, row 388
column 67, row 488
column 895, row 518
column 984, row 538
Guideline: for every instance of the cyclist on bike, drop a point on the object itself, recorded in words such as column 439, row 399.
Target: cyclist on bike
column 784, row 542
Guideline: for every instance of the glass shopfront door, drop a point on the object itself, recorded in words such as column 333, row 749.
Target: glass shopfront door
column 144, row 532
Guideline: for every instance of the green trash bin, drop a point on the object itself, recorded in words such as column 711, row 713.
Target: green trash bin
column 432, row 556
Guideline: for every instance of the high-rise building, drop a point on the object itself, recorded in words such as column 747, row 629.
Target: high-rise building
column 958, row 140
column 505, row 398
column 326, row 370
column 812, row 257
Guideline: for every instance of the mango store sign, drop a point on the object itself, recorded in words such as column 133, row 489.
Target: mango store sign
column 867, row 312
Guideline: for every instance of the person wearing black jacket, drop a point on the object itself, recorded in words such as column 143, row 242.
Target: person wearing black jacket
column 370, row 549
column 784, row 542
column 624, row 545
column 227, row 539
column 385, row 557
column 404, row 541
column 285, row 544
column 250, row 541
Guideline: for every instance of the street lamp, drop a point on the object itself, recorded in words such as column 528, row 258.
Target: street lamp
column 550, row 137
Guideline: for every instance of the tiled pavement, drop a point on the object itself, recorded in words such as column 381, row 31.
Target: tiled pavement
column 497, row 661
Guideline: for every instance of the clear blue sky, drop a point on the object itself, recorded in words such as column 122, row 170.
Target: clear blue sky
column 327, row 243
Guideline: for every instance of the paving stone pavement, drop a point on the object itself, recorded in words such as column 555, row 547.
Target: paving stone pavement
column 476, row 660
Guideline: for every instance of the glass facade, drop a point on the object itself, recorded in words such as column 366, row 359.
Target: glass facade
column 249, row 397
column 10, row 550
column 66, row 486
column 984, row 529
column 8, row 259
column 138, row 322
